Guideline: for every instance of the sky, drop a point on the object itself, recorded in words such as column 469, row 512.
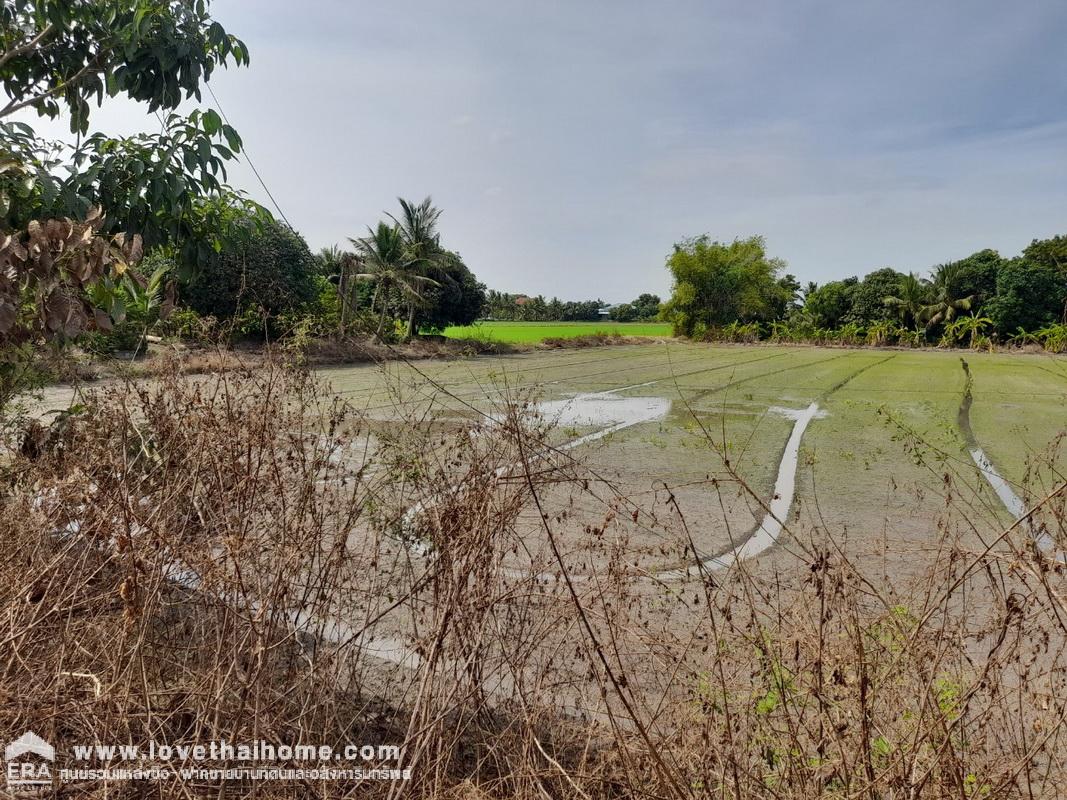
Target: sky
column 570, row 144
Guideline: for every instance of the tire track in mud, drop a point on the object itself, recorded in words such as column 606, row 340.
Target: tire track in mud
column 412, row 514
column 1003, row 490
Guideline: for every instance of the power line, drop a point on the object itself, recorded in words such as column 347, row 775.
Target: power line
column 248, row 158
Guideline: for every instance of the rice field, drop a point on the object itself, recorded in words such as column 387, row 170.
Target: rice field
column 691, row 540
column 883, row 448
column 532, row 332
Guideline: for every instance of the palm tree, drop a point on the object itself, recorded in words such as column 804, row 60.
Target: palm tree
column 384, row 254
column 418, row 229
column 340, row 268
column 946, row 304
column 911, row 298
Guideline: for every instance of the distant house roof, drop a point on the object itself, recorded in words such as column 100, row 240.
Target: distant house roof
column 521, row 300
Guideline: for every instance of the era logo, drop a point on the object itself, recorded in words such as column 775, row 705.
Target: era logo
column 21, row 770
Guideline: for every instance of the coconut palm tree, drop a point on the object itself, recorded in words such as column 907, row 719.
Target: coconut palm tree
column 385, row 256
column 418, row 229
column 946, row 305
column 913, row 295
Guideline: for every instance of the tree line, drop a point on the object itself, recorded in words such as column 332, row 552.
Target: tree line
column 735, row 290
column 523, row 308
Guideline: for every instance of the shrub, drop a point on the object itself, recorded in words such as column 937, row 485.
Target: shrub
column 265, row 270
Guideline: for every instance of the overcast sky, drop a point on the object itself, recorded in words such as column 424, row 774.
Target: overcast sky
column 571, row 143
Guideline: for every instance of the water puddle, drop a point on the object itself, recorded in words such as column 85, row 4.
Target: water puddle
column 607, row 411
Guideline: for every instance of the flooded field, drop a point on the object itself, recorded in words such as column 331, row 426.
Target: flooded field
column 860, row 441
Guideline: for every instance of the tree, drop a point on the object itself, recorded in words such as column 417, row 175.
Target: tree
column 911, row 297
column 1029, row 296
column 716, row 283
column 646, row 306
column 971, row 326
column 830, row 304
column 624, row 312
column 947, row 298
column 58, row 55
column 422, row 251
column 385, row 260
column 976, row 275
column 48, row 273
column 458, row 299
column 266, row 267
column 1048, row 252
column 789, row 301
column 868, row 298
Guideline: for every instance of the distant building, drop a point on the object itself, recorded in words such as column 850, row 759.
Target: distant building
column 605, row 311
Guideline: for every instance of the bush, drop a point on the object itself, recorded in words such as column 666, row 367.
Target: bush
column 264, row 271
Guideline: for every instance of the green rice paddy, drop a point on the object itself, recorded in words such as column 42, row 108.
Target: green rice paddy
column 532, row 332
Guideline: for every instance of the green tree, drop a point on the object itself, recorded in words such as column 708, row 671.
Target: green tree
column 424, row 257
column 59, row 55
column 947, row 298
column 868, row 297
column 977, row 275
column 830, row 304
column 912, row 295
column 1029, row 296
column 646, row 306
column 970, row 327
column 716, row 283
column 385, row 260
column 1048, row 252
column 264, row 267
column 457, row 299
column 789, row 300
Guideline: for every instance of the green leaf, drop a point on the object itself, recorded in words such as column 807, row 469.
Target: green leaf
column 232, row 139
column 212, row 122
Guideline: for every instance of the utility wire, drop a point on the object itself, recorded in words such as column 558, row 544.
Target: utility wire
column 248, row 158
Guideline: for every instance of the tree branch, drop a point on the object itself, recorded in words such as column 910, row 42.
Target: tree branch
column 16, row 105
column 25, row 48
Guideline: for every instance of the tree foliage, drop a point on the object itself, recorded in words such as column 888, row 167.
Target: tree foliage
column 868, row 297
column 48, row 271
column 716, row 283
column 1029, row 296
column 457, row 299
column 263, row 267
column 57, row 57
column 830, row 305
column 1048, row 252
